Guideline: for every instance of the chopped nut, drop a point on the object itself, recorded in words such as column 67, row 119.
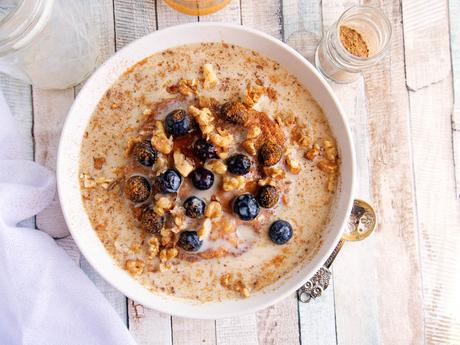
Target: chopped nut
column 250, row 146
column 88, row 182
column 245, row 292
column 273, row 172
column 217, row 166
column 115, row 106
column 98, row 162
column 147, row 112
column 272, row 94
column 330, row 152
column 204, row 229
column 166, row 236
column 253, row 132
column 225, row 279
column 160, row 141
column 293, row 164
column 135, row 267
column 264, row 181
column 172, row 253
column 187, row 87
column 331, row 183
column 160, row 165
column 232, row 183
column 182, row 164
column 221, row 139
column 222, row 154
column 164, row 266
column 213, row 210
column 327, row 167
column 313, row 152
column 278, row 119
column 253, row 94
column 153, row 247
column 204, row 118
column 162, row 204
column 179, row 220
column 299, row 135
column 210, row 78
column 168, row 254
column 184, row 87
column 131, row 142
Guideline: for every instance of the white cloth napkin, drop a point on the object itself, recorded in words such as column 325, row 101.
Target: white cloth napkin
column 44, row 297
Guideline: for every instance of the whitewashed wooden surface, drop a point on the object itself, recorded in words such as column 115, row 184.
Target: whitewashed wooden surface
column 400, row 286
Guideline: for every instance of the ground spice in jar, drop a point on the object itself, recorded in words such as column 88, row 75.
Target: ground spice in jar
column 353, row 42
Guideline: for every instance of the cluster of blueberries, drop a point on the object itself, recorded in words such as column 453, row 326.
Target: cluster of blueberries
column 246, row 206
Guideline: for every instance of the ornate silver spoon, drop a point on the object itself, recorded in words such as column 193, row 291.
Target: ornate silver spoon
column 361, row 224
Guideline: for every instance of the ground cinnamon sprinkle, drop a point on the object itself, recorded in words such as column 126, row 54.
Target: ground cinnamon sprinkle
column 353, row 42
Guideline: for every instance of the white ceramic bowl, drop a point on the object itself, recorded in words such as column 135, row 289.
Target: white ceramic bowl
column 79, row 116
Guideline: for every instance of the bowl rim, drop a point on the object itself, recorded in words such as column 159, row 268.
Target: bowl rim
column 62, row 179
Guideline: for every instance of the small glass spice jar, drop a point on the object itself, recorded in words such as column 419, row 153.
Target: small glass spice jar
column 358, row 40
column 47, row 43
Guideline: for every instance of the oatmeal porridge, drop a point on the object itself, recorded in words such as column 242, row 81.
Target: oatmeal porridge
column 208, row 172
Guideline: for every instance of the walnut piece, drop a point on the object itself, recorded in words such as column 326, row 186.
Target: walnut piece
column 330, row 152
column 98, row 162
column 232, row 183
column 160, row 141
column 274, row 172
column 227, row 281
column 131, row 142
column 253, row 132
column 293, row 164
column 217, row 166
column 213, row 210
column 182, row 164
column 313, row 152
column 135, row 267
column 153, row 247
column 210, row 77
column 204, row 118
column 250, row 146
column 253, row 94
column 327, row 167
column 168, row 254
column 204, row 229
column 162, row 204
column 221, row 139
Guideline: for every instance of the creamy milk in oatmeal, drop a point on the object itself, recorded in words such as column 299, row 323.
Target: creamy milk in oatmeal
column 208, row 172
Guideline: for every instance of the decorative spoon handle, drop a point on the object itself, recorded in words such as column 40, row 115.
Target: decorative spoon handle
column 361, row 223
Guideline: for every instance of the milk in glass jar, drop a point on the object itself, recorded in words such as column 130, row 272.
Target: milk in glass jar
column 47, row 43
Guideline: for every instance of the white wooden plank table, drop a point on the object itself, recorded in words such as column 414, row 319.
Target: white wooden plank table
column 400, row 286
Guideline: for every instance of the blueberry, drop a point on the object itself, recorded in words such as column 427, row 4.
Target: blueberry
column 204, row 150
column 137, row 188
column 239, row 164
column 202, row 178
column 151, row 222
column 246, row 207
column 194, row 207
column 145, row 154
column 169, row 181
column 178, row 123
column 280, row 232
column 189, row 241
column 267, row 196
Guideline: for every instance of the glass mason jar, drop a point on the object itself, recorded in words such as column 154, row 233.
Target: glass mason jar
column 47, row 43
column 335, row 62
